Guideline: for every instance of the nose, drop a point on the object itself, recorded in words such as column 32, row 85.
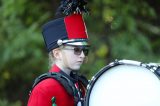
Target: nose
column 82, row 54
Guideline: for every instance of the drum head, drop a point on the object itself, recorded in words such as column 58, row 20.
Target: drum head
column 125, row 85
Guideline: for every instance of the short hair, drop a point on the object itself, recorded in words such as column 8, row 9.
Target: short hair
column 51, row 59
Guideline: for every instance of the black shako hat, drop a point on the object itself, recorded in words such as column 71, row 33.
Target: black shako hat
column 70, row 29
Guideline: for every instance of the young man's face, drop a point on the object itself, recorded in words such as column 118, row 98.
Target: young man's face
column 73, row 56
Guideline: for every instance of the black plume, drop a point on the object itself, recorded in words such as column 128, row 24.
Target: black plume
column 68, row 7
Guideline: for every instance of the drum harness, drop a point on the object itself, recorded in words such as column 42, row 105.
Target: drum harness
column 71, row 87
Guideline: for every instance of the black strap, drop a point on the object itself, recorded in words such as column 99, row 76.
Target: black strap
column 66, row 83
column 82, row 79
column 63, row 80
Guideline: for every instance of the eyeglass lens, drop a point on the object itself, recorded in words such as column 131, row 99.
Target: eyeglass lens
column 78, row 50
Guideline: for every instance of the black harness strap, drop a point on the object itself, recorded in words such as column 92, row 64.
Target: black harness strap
column 82, row 79
column 67, row 84
column 63, row 80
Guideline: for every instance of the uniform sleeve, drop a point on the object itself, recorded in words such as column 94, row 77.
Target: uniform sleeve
column 39, row 97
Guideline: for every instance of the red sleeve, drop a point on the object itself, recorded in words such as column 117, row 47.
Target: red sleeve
column 45, row 90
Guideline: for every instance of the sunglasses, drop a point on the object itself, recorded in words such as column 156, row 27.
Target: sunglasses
column 78, row 49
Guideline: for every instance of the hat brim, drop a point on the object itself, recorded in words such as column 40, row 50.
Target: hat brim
column 76, row 42
column 84, row 43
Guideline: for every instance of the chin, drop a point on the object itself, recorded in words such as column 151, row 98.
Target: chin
column 76, row 68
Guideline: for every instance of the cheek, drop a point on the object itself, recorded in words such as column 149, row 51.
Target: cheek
column 71, row 58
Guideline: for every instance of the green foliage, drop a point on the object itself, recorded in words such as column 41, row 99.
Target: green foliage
column 117, row 30
column 126, row 28
column 6, row 103
column 21, row 49
column 131, row 46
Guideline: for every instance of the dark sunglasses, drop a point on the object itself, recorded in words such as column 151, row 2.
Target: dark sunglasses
column 78, row 49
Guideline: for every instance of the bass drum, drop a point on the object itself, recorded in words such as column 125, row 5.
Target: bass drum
column 124, row 83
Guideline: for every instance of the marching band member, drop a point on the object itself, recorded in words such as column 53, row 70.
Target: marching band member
column 66, row 40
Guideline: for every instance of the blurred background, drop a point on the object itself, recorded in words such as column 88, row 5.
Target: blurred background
column 118, row 29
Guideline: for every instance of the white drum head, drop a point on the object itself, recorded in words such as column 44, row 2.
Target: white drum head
column 126, row 85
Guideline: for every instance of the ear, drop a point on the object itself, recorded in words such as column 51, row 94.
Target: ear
column 56, row 53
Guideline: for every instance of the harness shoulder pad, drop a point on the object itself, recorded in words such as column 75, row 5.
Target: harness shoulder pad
column 64, row 81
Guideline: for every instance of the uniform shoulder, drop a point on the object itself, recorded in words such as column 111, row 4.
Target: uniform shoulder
column 48, row 85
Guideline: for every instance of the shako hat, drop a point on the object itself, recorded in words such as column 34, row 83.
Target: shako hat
column 70, row 29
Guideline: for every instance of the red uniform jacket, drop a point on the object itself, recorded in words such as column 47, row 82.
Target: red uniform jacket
column 44, row 91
